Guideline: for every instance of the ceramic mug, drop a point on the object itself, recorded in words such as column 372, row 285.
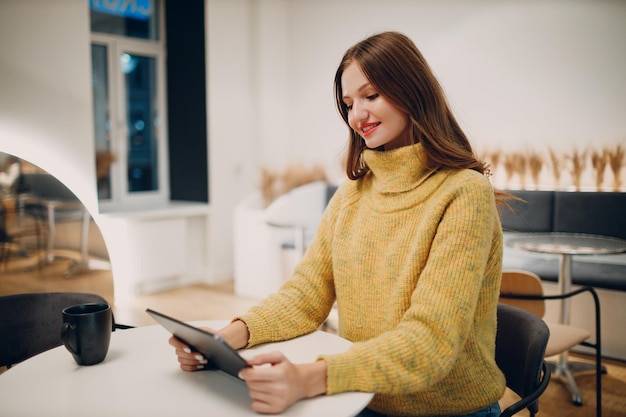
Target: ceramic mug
column 86, row 332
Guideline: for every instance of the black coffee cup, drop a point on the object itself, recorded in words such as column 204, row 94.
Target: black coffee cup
column 86, row 332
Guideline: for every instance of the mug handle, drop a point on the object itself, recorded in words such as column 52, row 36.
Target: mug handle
column 68, row 335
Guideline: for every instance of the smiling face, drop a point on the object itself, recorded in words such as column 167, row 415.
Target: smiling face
column 373, row 117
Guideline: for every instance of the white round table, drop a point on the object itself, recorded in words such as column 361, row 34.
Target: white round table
column 141, row 377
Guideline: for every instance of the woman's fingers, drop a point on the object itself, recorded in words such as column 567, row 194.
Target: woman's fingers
column 272, row 382
column 188, row 359
column 270, row 358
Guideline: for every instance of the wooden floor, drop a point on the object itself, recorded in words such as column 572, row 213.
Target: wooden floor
column 195, row 302
column 206, row 302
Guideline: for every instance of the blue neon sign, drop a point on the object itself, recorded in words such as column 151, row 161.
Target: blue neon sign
column 136, row 9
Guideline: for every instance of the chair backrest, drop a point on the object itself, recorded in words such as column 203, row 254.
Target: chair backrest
column 46, row 186
column 31, row 323
column 303, row 205
column 520, row 347
column 518, row 282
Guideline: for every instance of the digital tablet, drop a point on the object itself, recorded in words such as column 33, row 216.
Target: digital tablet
column 211, row 345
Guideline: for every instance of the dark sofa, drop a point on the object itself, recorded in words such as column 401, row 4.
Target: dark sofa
column 600, row 213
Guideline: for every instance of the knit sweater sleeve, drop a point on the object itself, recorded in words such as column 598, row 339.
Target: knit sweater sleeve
column 438, row 327
column 304, row 301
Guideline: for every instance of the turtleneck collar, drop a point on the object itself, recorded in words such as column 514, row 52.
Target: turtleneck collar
column 397, row 170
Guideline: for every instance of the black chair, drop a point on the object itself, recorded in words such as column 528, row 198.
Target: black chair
column 520, row 345
column 523, row 289
column 31, row 322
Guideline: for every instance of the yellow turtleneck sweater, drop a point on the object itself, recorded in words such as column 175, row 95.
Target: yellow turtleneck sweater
column 413, row 258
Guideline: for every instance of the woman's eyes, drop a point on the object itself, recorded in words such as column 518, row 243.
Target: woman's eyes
column 370, row 97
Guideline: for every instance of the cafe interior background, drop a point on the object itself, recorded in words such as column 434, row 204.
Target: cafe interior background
column 249, row 88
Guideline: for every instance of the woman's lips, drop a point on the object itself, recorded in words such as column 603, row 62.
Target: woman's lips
column 369, row 128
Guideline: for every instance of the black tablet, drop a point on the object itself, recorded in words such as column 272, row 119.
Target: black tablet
column 211, row 345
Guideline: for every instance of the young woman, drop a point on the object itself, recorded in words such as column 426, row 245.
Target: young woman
column 410, row 249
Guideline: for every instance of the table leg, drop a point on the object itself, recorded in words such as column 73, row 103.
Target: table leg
column 565, row 285
column 81, row 266
column 21, row 219
column 565, row 368
column 561, row 369
column 52, row 231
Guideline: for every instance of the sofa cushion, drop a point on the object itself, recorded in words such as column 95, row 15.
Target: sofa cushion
column 533, row 214
column 599, row 213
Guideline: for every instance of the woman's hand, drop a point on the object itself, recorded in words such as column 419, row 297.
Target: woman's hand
column 188, row 359
column 236, row 334
column 275, row 387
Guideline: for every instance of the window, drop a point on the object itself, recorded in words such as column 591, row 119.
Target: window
column 128, row 81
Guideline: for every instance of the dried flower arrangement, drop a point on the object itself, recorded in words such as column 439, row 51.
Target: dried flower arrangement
column 521, row 167
column 556, row 168
column 485, row 157
column 104, row 160
column 599, row 161
column 509, row 167
column 616, row 162
column 274, row 184
column 535, row 163
column 495, row 159
column 532, row 163
column 577, row 166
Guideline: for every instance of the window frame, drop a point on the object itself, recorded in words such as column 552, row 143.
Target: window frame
column 121, row 197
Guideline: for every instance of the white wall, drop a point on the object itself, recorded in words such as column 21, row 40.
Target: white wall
column 519, row 74
column 231, row 107
column 45, row 90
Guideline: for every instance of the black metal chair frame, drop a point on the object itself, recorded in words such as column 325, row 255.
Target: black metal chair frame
column 597, row 346
column 526, row 371
column 10, row 236
column 44, row 196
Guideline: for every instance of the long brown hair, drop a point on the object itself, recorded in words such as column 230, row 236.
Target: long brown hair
column 395, row 67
